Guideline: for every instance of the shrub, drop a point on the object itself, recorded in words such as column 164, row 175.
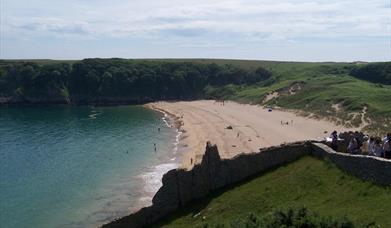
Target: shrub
column 292, row 217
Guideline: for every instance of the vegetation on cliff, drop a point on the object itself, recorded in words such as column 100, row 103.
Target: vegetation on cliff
column 292, row 217
column 353, row 94
column 92, row 80
column 317, row 184
column 331, row 90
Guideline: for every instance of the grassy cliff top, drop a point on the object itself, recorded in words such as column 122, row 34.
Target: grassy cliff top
column 315, row 184
column 355, row 94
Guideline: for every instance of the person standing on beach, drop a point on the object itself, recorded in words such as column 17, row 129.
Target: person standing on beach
column 154, row 146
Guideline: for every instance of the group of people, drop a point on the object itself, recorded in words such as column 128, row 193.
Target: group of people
column 377, row 146
column 373, row 146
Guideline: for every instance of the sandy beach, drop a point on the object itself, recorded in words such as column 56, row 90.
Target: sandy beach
column 253, row 127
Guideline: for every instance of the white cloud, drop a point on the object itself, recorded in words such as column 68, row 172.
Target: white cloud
column 191, row 21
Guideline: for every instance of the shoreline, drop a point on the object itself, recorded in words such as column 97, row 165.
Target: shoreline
column 178, row 124
column 237, row 128
column 152, row 176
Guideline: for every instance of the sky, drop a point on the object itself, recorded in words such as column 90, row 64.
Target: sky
column 286, row 30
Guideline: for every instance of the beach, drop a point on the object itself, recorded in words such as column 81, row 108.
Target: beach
column 238, row 128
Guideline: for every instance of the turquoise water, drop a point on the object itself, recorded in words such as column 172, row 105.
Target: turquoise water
column 79, row 166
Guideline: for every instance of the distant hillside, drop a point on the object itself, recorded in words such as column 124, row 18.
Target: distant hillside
column 376, row 72
column 354, row 94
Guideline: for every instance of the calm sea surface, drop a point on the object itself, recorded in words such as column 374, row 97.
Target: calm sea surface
column 79, row 166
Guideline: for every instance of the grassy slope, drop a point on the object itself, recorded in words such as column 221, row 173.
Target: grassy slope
column 317, row 184
column 325, row 84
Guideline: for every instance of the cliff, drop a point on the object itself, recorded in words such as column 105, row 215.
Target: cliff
column 180, row 187
column 79, row 100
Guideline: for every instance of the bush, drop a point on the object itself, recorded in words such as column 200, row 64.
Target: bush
column 373, row 72
column 289, row 218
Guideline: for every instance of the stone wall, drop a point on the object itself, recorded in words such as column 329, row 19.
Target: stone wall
column 180, row 186
column 370, row 168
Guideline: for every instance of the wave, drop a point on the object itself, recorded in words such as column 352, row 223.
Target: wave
column 153, row 180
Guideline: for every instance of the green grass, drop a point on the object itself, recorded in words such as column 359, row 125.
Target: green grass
column 315, row 184
column 324, row 84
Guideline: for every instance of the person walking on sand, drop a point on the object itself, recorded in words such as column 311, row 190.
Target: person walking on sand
column 154, row 145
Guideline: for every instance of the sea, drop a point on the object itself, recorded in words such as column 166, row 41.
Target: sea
column 81, row 166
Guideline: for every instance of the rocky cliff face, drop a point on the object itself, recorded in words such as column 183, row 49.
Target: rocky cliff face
column 17, row 100
column 84, row 100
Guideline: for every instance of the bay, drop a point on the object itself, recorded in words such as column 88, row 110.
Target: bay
column 80, row 166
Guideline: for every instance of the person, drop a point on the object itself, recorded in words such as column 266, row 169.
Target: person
column 353, row 146
column 377, row 148
column 371, row 146
column 365, row 145
column 158, row 129
column 386, row 137
column 154, row 146
column 334, row 140
column 387, row 146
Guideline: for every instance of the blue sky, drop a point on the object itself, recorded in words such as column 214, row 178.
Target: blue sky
column 298, row 30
